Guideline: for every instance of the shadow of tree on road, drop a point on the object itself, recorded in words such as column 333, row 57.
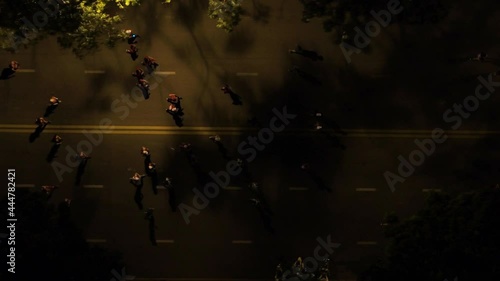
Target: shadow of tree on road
column 190, row 12
column 240, row 41
column 260, row 12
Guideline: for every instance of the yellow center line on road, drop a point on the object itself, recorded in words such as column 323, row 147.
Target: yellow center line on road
column 96, row 240
column 205, row 130
column 242, row 241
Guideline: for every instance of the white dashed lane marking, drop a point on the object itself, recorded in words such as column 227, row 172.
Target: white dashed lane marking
column 242, row 241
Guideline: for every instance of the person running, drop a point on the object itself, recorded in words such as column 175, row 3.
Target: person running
column 144, row 84
column 186, row 147
column 139, row 73
column 175, row 111
column 137, row 180
column 174, row 99
column 145, row 152
column 83, row 156
column 150, row 63
column 226, row 89
column 132, row 37
column 54, row 101
column 215, row 138
column 151, row 168
column 133, row 51
column 57, row 140
column 306, row 53
column 13, row 65
column 167, row 183
column 481, row 57
column 67, row 201
column 41, row 122
column 48, row 189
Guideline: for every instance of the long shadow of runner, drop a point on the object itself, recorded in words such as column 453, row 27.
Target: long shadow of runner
column 49, row 110
column 52, row 153
column 80, row 172
column 201, row 176
column 138, row 196
column 330, row 123
column 36, row 133
column 236, row 98
column 223, row 150
column 154, row 182
column 152, row 231
column 320, row 183
column 7, row 73
column 334, row 140
column 179, row 122
column 266, row 220
column 257, row 192
column 172, row 201
column 305, row 75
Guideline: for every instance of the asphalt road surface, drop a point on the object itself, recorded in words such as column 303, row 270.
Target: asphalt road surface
column 388, row 97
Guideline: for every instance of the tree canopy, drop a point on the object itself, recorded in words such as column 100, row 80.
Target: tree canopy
column 226, row 12
column 48, row 246
column 453, row 236
column 83, row 25
column 80, row 25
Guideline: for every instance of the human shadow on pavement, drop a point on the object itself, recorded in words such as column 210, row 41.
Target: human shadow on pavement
column 38, row 131
column 154, row 182
column 305, row 75
column 52, row 153
column 201, row 176
column 145, row 93
column 7, row 73
column 236, row 98
column 259, row 195
column 226, row 89
column 80, row 171
column 172, row 200
column 245, row 174
column 266, row 220
column 223, row 150
column 179, row 122
column 138, row 196
column 152, row 230
column 254, row 122
column 320, row 183
column 333, row 139
column 310, row 54
column 240, row 41
column 191, row 12
column 49, row 110
column 327, row 123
